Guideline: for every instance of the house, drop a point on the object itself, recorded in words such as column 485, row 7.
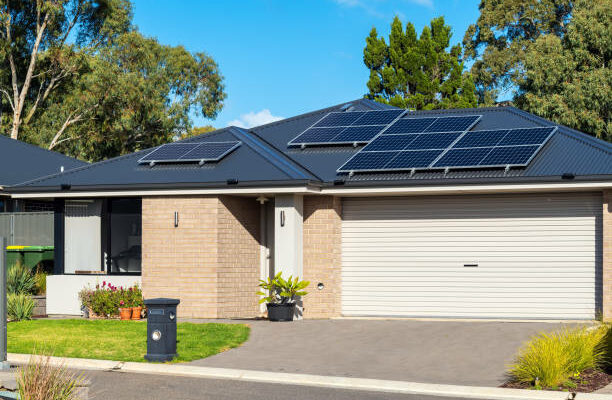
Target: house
column 21, row 162
column 470, row 213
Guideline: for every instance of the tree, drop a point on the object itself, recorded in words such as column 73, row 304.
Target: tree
column 119, row 92
column 553, row 56
column 197, row 131
column 503, row 34
column 569, row 79
column 417, row 72
column 36, row 50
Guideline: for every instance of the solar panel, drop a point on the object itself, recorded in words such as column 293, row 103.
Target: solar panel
column 339, row 118
column 433, row 141
column 462, row 157
column 361, row 134
column 375, row 160
column 481, row 138
column 406, row 160
column 431, row 151
column 190, row 152
column 514, row 155
column 526, row 136
column 378, row 117
column 210, row 151
column 453, row 124
column 390, row 142
column 350, row 127
column 171, row 151
column 409, row 125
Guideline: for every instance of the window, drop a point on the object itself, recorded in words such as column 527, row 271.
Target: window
column 124, row 236
column 82, row 240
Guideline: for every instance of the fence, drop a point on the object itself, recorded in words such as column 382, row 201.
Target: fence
column 27, row 228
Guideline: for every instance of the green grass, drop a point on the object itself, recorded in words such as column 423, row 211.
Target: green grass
column 117, row 340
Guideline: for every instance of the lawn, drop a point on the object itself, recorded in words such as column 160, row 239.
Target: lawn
column 118, row 340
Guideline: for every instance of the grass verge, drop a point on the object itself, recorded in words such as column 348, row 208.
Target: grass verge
column 118, row 340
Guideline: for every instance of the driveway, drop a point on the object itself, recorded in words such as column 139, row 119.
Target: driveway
column 451, row 352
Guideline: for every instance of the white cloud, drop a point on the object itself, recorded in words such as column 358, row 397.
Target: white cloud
column 252, row 119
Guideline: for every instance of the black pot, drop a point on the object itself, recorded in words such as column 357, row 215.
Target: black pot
column 281, row 312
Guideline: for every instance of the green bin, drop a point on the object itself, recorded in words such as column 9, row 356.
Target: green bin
column 33, row 255
column 30, row 256
column 14, row 254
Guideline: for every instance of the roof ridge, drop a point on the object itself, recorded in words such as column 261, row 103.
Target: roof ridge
column 281, row 158
column 310, row 113
column 84, row 167
column 285, row 155
column 36, row 147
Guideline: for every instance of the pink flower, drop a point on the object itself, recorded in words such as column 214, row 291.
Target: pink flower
column 122, row 303
column 103, row 283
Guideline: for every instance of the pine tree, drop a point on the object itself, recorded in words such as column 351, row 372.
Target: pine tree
column 418, row 72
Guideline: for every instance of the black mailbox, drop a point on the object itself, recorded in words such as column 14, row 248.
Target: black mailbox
column 161, row 329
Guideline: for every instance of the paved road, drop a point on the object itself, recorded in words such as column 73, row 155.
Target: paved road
column 474, row 353
column 125, row 386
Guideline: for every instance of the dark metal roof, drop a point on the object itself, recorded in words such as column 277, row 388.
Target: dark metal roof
column 264, row 159
column 21, row 162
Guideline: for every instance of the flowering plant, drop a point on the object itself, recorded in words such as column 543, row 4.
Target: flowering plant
column 106, row 299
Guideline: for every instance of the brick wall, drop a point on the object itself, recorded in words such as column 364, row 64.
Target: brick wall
column 238, row 263
column 322, row 255
column 197, row 261
column 607, row 255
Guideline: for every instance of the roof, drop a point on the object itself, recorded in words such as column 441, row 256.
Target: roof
column 21, row 162
column 265, row 160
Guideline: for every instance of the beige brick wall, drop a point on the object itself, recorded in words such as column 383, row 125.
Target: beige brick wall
column 607, row 255
column 322, row 255
column 214, row 245
column 238, row 267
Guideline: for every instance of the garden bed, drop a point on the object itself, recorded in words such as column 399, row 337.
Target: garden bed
column 589, row 381
column 118, row 340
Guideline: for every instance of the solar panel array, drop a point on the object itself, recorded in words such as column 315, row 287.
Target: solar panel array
column 190, row 152
column 350, row 127
column 402, row 148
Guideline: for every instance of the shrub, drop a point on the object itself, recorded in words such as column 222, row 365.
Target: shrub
column 40, row 283
column 105, row 300
column 550, row 359
column 19, row 279
column 19, row 306
column 39, row 380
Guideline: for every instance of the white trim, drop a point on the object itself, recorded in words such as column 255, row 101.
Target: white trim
column 468, row 189
column 173, row 192
column 344, row 191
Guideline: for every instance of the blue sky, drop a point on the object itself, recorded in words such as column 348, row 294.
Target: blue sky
column 284, row 57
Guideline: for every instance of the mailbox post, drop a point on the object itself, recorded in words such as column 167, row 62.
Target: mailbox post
column 161, row 329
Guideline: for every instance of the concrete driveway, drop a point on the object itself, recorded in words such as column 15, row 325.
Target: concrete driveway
column 451, row 352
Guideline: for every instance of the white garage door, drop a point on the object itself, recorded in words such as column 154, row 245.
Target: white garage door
column 510, row 256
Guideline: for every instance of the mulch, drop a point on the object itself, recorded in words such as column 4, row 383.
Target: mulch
column 589, row 381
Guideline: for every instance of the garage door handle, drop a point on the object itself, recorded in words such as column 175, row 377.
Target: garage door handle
column 471, row 265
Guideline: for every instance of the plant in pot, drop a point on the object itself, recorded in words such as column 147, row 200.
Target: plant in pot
column 135, row 294
column 280, row 296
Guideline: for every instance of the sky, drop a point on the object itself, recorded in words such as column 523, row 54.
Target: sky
column 282, row 58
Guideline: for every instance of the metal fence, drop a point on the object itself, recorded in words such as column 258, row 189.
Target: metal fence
column 27, row 228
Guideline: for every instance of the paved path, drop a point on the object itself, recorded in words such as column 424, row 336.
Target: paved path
column 126, row 386
column 448, row 352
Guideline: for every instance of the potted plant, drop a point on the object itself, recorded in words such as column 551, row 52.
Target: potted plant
column 280, row 296
column 125, row 312
column 137, row 302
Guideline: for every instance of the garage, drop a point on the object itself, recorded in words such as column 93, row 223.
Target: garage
column 527, row 256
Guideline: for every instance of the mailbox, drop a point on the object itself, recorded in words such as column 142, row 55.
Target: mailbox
column 161, row 329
